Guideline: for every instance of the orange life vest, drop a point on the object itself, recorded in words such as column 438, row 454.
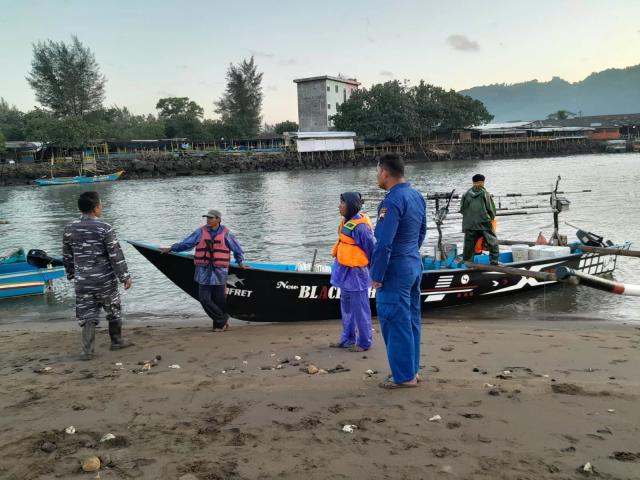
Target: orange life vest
column 212, row 251
column 480, row 243
column 345, row 250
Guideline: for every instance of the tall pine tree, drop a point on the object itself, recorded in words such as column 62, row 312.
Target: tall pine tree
column 66, row 77
column 241, row 104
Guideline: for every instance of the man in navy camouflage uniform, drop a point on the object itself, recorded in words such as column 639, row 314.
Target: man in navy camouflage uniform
column 94, row 259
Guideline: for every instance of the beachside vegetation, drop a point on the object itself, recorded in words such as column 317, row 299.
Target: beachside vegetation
column 66, row 78
column 397, row 111
column 240, row 106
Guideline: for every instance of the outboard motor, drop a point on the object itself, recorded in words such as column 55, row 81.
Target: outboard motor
column 40, row 259
column 591, row 239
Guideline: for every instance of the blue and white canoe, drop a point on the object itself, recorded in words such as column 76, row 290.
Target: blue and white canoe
column 18, row 278
column 43, row 182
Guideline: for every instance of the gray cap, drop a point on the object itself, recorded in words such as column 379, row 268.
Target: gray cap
column 213, row 213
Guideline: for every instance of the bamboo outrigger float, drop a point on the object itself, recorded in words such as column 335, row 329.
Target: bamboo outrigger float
column 565, row 273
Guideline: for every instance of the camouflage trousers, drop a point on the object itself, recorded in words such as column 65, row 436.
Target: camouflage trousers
column 89, row 304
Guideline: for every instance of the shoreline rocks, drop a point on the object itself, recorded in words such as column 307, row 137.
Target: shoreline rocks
column 167, row 165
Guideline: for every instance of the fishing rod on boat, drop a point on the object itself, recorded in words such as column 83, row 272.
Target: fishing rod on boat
column 445, row 195
column 563, row 192
column 439, row 217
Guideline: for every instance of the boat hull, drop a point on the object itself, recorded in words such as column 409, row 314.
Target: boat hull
column 263, row 294
column 21, row 279
column 45, row 182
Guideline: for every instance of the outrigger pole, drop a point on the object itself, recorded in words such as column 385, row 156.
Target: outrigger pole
column 542, row 276
column 566, row 273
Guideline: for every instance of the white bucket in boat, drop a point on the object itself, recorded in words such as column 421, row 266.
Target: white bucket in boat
column 306, row 267
column 520, row 253
column 548, row 251
column 559, row 251
column 539, row 251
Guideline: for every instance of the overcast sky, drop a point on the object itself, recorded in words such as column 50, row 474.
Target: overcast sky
column 157, row 48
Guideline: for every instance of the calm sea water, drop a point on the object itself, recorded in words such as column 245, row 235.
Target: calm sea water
column 285, row 216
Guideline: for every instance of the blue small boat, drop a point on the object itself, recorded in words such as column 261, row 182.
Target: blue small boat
column 20, row 277
column 43, row 182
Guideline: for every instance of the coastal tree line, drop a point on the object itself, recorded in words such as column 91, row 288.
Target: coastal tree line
column 397, row 111
column 70, row 89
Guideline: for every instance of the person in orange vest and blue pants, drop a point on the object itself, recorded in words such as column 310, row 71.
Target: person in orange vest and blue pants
column 350, row 273
column 213, row 244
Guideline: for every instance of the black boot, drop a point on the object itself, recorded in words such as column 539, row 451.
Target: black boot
column 88, row 339
column 115, row 332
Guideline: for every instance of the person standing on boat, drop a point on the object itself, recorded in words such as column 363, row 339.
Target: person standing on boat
column 93, row 258
column 213, row 244
column 350, row 273
column 478, row 213
column 396, row 270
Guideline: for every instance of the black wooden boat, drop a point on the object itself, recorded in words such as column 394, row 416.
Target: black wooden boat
column 278, row 293
column 268, row 292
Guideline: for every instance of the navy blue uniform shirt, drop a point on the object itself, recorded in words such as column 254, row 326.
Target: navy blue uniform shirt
column 401, row 228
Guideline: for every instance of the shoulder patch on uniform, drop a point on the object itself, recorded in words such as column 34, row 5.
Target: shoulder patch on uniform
column 383, row 212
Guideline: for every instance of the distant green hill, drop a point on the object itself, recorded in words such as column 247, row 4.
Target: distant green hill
column 610, row 91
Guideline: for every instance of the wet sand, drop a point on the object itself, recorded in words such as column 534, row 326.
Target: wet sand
column 240, row 407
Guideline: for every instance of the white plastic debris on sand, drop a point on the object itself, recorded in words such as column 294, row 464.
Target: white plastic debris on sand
column 106, row 437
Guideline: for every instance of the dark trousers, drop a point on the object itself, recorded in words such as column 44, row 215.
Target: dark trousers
column 470, row 239
column 213, row 299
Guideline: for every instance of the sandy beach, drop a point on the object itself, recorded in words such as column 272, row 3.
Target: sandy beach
column 505, row 400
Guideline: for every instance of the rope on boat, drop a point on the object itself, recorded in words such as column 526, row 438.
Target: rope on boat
column 566, row 273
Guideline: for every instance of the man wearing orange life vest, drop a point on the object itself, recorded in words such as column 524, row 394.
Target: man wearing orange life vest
column 350, row 273
column 213, row 244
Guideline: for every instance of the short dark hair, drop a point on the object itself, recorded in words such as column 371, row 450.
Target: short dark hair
column 392, row 163
column 88, row 201
column 478, row 177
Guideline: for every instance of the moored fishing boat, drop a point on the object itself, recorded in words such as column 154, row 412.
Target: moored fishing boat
column 279, row 293
column 269, row 292
column 42, row 182
column 30, row 274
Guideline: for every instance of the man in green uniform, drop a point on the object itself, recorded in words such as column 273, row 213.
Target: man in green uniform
column 478, row 212
column 93, row 259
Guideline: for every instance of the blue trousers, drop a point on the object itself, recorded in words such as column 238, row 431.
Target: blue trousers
column 356, row 319
column 398, row 305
